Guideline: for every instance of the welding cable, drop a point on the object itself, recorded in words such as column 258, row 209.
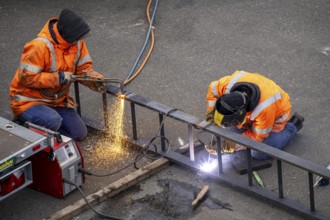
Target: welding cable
column 131, row 76
column 87, row 172
column 145, row 150
column 90, row 206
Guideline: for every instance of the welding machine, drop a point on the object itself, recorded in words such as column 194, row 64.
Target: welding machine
column 61, row 160
column 39, row 158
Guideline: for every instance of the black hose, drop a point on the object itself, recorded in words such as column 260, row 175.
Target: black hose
column 95, row 211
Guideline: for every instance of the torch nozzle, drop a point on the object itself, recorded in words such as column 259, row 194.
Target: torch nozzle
column 101, row 80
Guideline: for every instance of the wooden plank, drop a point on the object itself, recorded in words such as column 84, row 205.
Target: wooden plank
column 111, row 190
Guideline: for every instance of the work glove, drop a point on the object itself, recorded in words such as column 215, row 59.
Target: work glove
column 101, row 87
column 65, row 77
column 229, row 146
column 210, row 116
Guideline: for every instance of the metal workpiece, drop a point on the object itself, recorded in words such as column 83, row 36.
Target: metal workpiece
column 219, row 132
column 223, row 133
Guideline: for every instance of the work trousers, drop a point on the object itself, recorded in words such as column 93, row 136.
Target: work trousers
column 275, row 139
column 64, row 120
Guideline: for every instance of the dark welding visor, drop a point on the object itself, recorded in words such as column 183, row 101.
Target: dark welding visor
column 234, row 115
column 229, row 120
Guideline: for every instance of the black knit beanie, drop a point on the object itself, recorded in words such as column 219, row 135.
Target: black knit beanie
column 71, row 26
column 234, row 100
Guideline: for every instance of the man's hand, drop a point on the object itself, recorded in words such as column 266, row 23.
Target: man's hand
column 229, row 146
column 65, row 77
column 101, row 87
column 209, row 116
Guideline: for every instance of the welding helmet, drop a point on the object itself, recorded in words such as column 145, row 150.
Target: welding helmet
column 230, row 109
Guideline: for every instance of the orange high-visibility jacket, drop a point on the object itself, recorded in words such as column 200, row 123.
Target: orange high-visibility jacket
column 37, row 81
column 272, row 111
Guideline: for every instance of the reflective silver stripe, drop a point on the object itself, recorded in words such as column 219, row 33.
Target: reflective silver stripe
column 211, row 103
column 233, row 81
column 261, row 131
column 50, row 46
column 281, row 118
column 30, row 67
column 78, row 53
column 214, row 89
column 24, row 98
column 84, row 60
column 264, row 105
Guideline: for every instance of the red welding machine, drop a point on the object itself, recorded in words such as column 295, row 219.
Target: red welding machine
column 48, row 174
column 39, row 158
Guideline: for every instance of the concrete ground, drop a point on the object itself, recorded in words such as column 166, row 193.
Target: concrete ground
column 196, row 42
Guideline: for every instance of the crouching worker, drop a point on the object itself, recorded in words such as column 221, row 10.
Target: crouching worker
column 254, row 106
column 39, row 91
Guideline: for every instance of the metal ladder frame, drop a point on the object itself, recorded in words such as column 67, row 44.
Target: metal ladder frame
column 195, row 123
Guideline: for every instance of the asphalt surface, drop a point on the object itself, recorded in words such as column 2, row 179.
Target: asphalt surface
column 196, row 42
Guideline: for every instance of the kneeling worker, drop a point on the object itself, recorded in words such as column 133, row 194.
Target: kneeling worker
column 254, row 106
column 39, row 91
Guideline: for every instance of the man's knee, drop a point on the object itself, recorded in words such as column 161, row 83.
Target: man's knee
column 51, row 121
column 80, row 133
column 76, row 133
column 54, row 122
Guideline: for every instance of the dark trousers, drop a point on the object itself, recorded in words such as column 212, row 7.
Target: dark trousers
column 64, row 120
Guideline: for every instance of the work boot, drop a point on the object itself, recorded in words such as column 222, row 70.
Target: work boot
column 297, row 120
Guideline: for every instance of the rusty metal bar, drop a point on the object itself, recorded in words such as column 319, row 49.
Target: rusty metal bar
column 162, row 132
column 77, row 97
column 105, row 109
column 249, row 166
column 280, row 179
column 311, row 191
column 219, row 155
column 133, row 116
